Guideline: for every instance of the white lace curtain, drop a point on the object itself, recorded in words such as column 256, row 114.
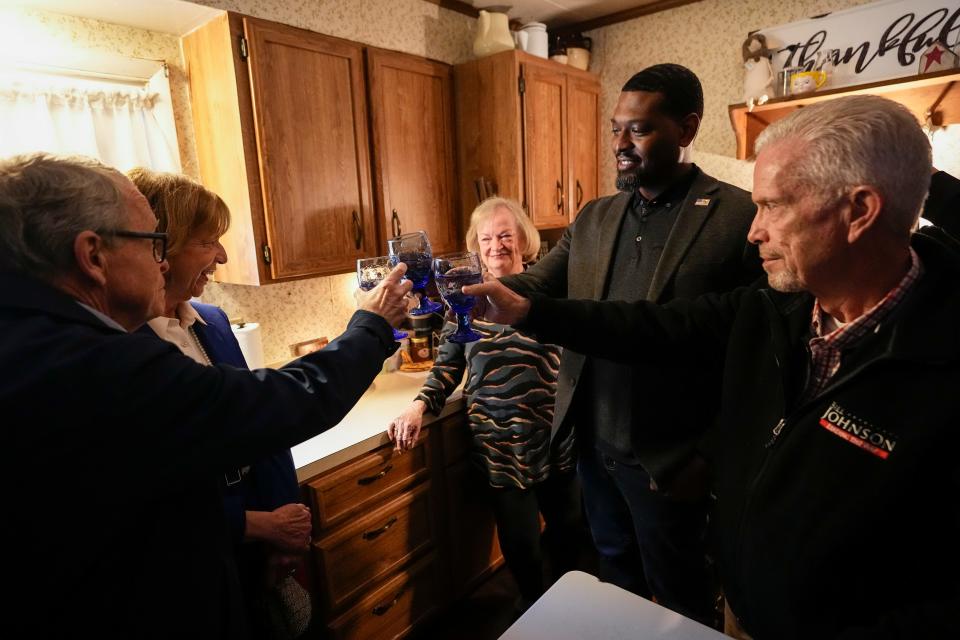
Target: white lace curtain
column 117, row 124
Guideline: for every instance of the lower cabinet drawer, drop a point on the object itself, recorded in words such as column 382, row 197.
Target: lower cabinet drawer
column 391, row 610
column 355, row 556
column 354, row 487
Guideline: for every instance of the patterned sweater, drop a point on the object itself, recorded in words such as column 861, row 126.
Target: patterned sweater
column 510, row 391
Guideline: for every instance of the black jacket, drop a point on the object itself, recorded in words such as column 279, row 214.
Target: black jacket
column 942, row 206
column 706, row 251
column 113, row 445
column 817, row 535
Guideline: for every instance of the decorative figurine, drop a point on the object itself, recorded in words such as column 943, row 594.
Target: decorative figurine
column 758, row 78
column 938, row 57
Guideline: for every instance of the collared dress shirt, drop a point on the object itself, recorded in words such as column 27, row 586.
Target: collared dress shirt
column 179, row 331
column 831, row 338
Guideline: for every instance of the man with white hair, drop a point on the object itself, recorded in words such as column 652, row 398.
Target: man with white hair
column 834, row 457
column 114, row 440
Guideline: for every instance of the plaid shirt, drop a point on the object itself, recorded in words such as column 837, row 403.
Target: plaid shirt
column 826, row 350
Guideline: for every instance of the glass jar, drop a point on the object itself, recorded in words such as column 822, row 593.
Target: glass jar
column 418, row 354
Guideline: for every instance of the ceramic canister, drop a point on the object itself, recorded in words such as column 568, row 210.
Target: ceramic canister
column 537, row 43
column 578, row 57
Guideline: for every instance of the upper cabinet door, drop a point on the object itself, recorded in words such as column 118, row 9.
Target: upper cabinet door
column 310, row 119
column 414, row 149
column 583, row 117
column 544, row 132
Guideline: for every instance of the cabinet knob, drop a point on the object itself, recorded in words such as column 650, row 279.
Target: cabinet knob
column 357, row 230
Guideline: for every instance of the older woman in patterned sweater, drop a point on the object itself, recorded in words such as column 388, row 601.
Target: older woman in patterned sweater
column 510, row 390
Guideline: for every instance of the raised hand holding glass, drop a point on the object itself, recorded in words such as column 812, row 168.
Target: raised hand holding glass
column 414, row 250
column 370, row 271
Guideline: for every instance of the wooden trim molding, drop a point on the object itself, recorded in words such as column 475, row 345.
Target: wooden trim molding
column 621, row 16
column 586, row 25
column 456, row 5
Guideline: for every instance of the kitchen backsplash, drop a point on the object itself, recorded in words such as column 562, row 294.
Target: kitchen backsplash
column 290, row 312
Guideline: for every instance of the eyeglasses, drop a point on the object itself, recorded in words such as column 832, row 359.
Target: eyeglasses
column 159, row 240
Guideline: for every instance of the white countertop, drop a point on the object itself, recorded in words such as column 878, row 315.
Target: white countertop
column 364, row 428
column 579, row 606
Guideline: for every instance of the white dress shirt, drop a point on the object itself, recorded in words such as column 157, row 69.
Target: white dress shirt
column 179, row 331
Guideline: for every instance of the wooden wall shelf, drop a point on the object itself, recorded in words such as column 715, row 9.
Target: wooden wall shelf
column 917, row 93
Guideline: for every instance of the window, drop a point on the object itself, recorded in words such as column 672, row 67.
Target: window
column 123, row 119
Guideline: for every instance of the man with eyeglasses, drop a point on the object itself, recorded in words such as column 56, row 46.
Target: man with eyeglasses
column 114, row 440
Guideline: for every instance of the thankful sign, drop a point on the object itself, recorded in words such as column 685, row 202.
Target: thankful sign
column 879, row 41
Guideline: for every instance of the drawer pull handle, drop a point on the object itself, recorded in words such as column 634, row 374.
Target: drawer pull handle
column 370, row 535
column 559, row 197
column 579, row 195
column 375, row 477
column 381, row 609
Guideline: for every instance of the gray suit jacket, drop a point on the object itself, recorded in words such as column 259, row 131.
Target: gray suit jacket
column 706, row 251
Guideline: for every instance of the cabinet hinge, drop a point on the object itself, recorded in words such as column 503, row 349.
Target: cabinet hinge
column 267, row 256
column 244, row 52
column 523, row 85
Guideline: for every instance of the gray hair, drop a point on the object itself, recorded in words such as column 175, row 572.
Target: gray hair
column 860, row 140
column 529, row 236
column 45, row 202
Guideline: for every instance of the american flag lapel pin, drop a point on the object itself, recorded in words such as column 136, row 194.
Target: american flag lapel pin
column 702, row 202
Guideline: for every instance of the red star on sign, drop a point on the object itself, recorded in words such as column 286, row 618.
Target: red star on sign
column 933, row 56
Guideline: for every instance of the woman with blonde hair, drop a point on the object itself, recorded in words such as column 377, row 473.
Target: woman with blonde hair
column 510, row 386
column 262, row 502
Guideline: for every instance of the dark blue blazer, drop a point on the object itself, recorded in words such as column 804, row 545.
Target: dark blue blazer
column 113, row 444
column 265, row 484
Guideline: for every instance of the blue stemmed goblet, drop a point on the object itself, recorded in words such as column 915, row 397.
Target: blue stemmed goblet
column 413, row 249
column 370, row 271
column 452, row 272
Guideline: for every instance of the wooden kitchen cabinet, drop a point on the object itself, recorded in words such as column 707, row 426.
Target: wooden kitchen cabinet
column 411, row 108
column 395, row 608
column 353, row 558
column 532, row 128
column 282, row 121
column 583, row 122
column 474, row 551
column 352, row 488
column 397, row 537
column 375, row 517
